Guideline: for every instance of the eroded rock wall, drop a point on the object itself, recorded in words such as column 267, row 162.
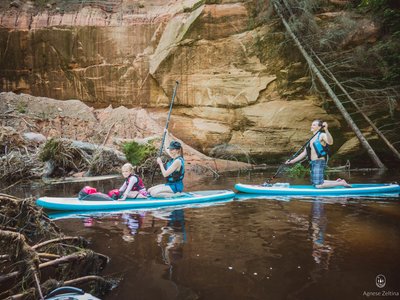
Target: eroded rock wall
column 130, row 56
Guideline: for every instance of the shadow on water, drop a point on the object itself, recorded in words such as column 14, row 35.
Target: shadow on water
column 252, row 247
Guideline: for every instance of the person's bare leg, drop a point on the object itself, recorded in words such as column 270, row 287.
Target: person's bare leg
column 161, row 189
column 135, row 195
column 333, row 183
column 154, row 188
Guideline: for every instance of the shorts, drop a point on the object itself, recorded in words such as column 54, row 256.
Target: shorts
column 317, row 171
column 176, row 187
column 142, row 192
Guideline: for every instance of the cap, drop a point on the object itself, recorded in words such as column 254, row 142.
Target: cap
column 174, row 145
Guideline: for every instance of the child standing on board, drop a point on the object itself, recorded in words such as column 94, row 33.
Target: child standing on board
column 174, row 173
column 133, row 186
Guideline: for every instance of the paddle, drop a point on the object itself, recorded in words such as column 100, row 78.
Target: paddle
column 166, row 126
column 280, row 170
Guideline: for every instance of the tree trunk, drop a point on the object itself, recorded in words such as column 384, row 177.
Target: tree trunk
column 395, row 152
column 339, row 105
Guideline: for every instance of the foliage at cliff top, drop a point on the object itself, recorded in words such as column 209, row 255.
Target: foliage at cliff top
column 387, row 56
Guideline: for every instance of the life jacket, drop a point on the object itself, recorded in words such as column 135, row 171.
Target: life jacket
column 138, row 185
column 320, row 150
column 176, row 175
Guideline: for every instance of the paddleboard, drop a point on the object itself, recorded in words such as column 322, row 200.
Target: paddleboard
column 309, row 190
column 69, row 293
column 73, row 203
column 155, row 210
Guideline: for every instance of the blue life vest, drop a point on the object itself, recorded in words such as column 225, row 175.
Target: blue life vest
column 320, row 150
column 176, row 175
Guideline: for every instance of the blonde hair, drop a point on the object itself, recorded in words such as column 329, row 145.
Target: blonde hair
column 128, row 166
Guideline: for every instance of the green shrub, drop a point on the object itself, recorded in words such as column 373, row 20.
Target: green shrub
column 385, row 52
column 186, row 8
column 298, row 168
column 136, row 154
column 198, row 4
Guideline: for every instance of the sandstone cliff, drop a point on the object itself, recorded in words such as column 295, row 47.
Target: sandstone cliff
column 130, row 53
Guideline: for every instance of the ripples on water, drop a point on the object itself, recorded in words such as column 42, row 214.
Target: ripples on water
column 246, row 248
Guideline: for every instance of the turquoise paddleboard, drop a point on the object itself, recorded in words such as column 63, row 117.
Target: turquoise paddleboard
column 309, row 190
column 73, row 203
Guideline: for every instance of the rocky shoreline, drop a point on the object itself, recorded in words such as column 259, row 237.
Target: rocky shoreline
column 28, row 123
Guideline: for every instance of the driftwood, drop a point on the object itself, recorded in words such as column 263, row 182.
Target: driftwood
column 63, row 260
column 27, row 262
column 76, row 156
column 76, row 239
column 12, row 240
column 75, row 282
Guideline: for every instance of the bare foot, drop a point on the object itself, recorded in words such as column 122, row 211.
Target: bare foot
column 345, row 184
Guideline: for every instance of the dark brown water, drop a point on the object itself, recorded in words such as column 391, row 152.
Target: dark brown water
column 247, row 248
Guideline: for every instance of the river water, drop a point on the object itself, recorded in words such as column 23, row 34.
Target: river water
column 246, row 248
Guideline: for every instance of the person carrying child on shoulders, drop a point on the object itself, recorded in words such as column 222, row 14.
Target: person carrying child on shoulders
column 317, row 151
column 174, row 172
column 133, row 187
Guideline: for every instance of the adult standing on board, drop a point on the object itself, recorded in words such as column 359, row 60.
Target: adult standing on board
column 318, row 152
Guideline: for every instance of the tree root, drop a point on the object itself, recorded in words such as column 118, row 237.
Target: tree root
column 72, row 262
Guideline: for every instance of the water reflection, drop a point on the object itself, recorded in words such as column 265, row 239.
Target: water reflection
column 133, row 222
column 171, row 240
column 322, row 251
column 253, row 247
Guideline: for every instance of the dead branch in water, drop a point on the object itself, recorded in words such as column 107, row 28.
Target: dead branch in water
column 15, row 166
column 63, row 153
column 101, row 287
column 104, row 162
column 77, row 239
column 25, row 263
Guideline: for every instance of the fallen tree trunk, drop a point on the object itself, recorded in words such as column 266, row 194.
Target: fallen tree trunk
column 395, row 152
column 339, row 105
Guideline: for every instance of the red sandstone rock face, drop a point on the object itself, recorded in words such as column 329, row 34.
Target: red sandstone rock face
column 131, row 56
